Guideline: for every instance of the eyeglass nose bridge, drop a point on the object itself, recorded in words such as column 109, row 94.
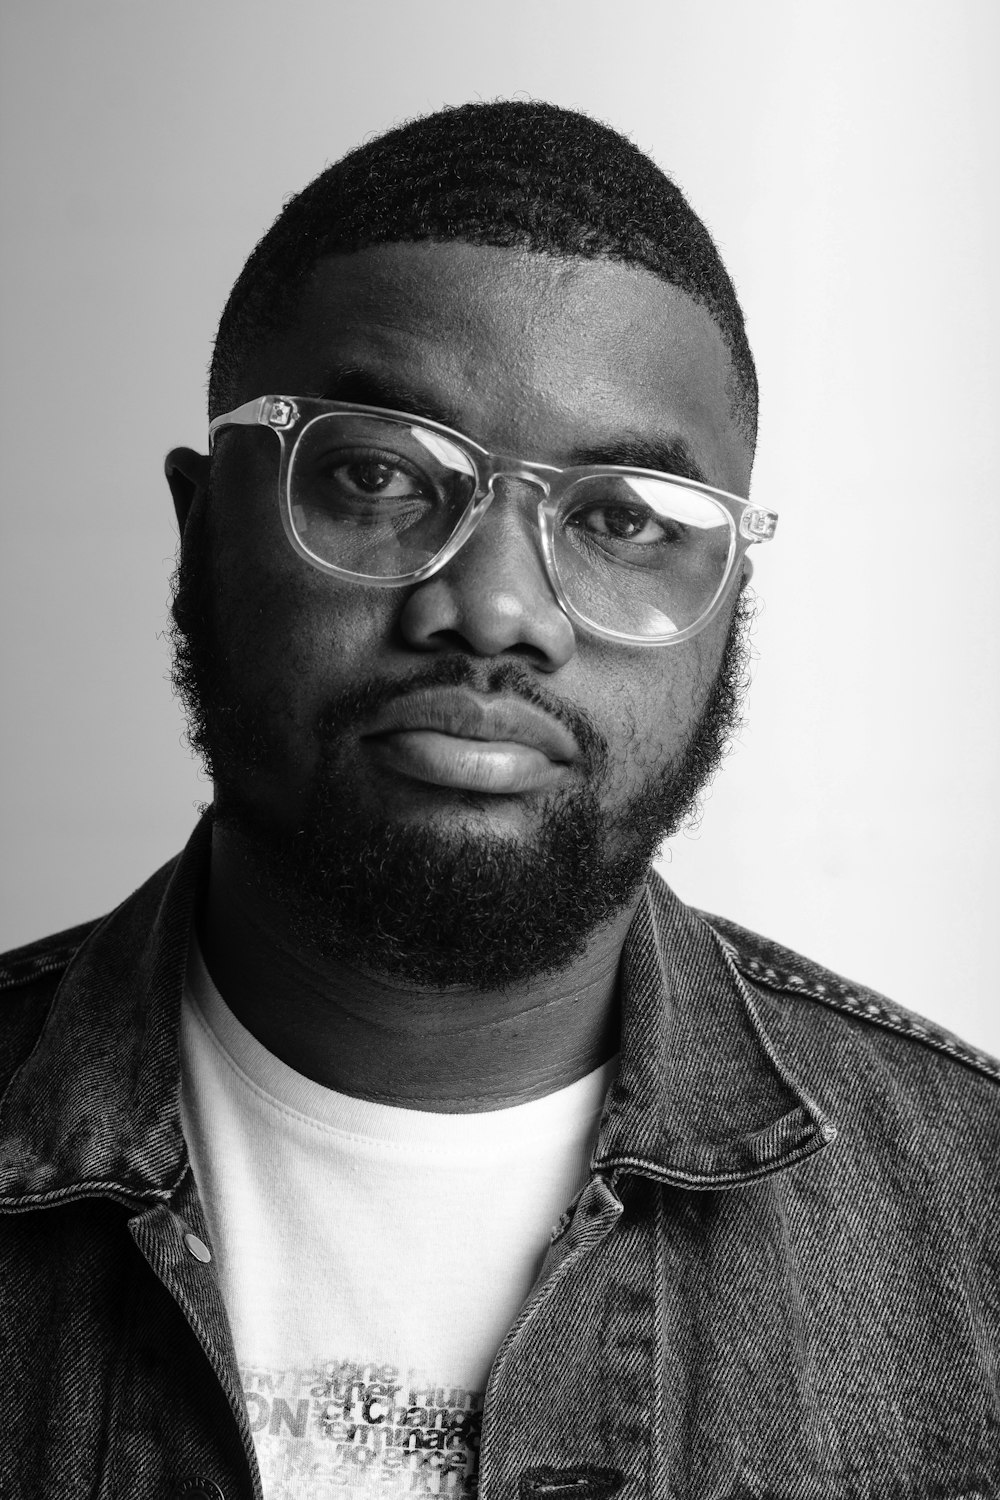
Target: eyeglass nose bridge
column 517, row 469
column 523, row 472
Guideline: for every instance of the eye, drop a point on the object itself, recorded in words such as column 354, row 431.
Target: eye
column 375, row 477
column 624, row 523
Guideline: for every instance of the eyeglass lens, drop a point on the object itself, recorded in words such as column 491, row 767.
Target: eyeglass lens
column 634, row 554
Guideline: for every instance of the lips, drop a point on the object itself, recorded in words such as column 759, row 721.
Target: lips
column 456, row 738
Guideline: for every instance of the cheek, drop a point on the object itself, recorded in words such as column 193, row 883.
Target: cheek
column 293, row 637
column 653, row 703
column 345, row 635
column 323, row 636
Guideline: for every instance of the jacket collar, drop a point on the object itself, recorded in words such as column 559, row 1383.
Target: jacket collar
column 95, row 1109
column 702, row 1098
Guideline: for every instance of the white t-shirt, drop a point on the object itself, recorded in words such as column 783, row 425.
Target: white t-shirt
column 371, row 1258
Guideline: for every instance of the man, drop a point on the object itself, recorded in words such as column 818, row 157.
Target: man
column 406, row 1135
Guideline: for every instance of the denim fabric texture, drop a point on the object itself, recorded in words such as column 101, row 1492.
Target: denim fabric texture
column 781, row 1281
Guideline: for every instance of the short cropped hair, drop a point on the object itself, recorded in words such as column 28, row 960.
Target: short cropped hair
column 506, row 173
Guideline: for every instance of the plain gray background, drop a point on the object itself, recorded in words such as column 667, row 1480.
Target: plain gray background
column 847, row 158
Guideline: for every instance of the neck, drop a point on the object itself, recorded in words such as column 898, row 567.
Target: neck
column 453, row 1051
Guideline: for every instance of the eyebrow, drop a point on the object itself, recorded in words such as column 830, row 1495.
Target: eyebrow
column 634, row 451
column 365, row 388
column 629, row 450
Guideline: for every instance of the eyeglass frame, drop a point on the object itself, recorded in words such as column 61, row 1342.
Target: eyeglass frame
column 283, row 414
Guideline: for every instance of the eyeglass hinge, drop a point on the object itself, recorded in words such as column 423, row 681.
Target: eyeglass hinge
column 757, row 524
column 280, row 412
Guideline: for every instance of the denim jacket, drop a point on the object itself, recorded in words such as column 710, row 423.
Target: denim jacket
column 781, row 1281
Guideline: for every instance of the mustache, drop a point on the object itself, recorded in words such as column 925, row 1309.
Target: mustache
column 358, row 703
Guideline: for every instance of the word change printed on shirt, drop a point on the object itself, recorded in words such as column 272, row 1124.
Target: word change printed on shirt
column 360, row 1430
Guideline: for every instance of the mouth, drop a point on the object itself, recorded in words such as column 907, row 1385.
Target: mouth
column 452, row 737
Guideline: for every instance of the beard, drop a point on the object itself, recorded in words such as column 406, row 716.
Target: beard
column 436, row 908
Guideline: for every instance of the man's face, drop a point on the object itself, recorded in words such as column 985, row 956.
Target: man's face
column 559, row 361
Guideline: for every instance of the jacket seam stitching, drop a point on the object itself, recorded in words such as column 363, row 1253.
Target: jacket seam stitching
column 972, row 1059
column 856, row 1007
column 34, row 968
column 706, row 1180
column 852, row 1003
column 90, row 1188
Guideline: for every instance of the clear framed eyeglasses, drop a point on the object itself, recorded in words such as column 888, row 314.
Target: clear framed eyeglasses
column 384, row 499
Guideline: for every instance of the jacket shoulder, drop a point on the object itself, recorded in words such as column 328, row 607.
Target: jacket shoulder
column 29, row 978
column 772, row 967
column 42, row 958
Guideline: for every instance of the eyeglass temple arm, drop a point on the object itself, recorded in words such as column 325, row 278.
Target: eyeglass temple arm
column 246, row 415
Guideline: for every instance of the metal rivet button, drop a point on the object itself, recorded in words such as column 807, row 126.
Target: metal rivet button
column 197, row 1248
column 828, row 1131
column 195, row 1488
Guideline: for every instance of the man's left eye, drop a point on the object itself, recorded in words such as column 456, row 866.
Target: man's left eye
column 622, row 523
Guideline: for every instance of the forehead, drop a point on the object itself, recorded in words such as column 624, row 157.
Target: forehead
column 527, row 353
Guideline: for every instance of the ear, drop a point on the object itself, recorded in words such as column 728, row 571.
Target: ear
column 187, row 476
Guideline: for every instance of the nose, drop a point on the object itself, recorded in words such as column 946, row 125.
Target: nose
column 494, row 596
